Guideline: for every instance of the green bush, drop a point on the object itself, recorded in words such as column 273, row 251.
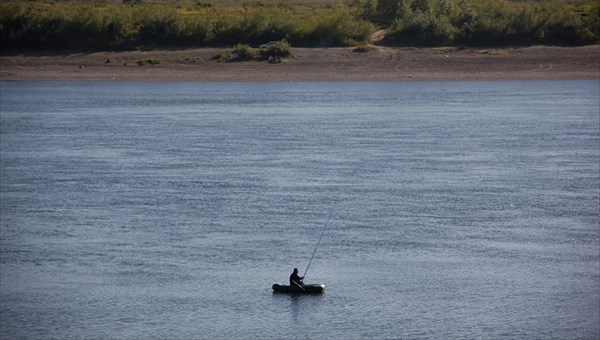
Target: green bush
column 422, row 28
column 245, row 52
column 280, row 49
column 341, row 28
column 222, row 56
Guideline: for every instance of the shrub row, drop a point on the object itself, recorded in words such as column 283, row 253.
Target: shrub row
column 109, row 25
column 42, row 25
column 492, row 22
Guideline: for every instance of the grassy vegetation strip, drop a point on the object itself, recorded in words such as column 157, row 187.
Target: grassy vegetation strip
column 42, row 25
column 111, row 25
column 439, row 22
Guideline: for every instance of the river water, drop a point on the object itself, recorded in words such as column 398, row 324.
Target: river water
column 167, row 210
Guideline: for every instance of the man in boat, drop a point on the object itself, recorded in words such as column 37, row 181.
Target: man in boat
column 295, row 279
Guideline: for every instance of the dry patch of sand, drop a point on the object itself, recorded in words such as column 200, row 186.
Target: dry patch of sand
column 313, row 64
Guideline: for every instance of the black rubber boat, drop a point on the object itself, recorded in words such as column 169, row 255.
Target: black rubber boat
column 306, row 289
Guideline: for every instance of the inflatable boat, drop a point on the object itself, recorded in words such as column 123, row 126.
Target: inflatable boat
column 305, row 289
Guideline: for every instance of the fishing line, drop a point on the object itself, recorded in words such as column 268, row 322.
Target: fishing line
column 323, row 232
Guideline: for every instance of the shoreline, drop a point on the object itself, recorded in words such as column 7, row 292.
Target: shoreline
column 312, row 64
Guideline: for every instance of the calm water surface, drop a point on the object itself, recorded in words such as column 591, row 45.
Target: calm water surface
column 167, row 210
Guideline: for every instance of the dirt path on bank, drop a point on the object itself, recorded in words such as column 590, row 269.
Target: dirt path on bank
column 313, row 64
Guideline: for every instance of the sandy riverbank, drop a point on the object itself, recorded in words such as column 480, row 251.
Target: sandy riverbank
column 313, row 64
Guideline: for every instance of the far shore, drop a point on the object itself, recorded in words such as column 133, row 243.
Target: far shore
column 312, row 64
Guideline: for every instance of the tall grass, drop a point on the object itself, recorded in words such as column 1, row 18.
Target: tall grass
column 490, row 22
column 108, row 24
column 113, row 26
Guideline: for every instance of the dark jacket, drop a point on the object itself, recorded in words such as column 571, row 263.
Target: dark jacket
column 296, row 280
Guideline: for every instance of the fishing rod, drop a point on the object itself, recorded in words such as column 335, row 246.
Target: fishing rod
column 314, row 252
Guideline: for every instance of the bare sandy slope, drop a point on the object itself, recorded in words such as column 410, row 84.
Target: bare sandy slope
column 313, row 64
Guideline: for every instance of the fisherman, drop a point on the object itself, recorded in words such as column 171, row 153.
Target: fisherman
column 295, row 279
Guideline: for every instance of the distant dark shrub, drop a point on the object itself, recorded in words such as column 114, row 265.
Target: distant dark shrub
column 363, row 48
column 145, row 61
column 222, row 56
column 194, row 59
